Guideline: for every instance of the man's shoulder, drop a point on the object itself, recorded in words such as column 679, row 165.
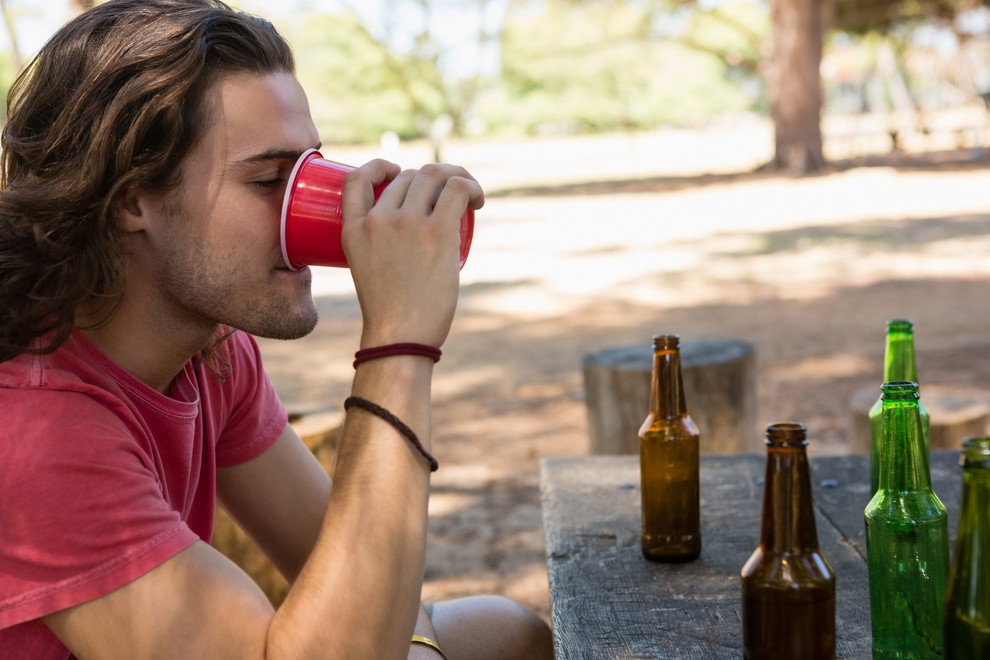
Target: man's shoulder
column 59, row 402
column 56, row 392
column 57, row 371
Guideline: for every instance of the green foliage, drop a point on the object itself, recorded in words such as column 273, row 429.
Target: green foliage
column 8, row 71
column 357, row 89
column 566, row 66
column 610, row 65
column 734, row 32
column 9, row 57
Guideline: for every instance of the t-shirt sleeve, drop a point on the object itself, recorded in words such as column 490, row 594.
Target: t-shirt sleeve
column 81, row 510
column 256, row 416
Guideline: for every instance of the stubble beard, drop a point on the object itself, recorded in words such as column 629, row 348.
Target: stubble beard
column 207, row 288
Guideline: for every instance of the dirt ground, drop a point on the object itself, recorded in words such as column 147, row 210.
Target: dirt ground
column 583, row 246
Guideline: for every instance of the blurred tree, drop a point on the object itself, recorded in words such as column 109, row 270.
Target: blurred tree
column 398, row 75
column 794, row 82
column 890, row 27
column 70, row 8
column 574, row 45
column 12, row 60
column 77, row 7
column 792, row 71
column 597, row 65
column 15, row 49
column 863, row 16
column 359, row 88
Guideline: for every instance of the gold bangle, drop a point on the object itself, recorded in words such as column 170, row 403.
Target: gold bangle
column 426, row 641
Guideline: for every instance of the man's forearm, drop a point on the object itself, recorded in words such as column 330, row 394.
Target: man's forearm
column 368, row 563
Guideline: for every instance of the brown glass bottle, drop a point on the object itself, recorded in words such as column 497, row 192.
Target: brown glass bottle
column 669, row 463
column 788, row 587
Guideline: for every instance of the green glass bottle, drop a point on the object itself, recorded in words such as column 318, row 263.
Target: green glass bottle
column 898, row 364
column 967, row 602
column 669, row 463
column 907, row 537
column 788, row 587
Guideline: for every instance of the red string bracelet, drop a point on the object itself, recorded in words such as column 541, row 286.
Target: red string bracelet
column 388, row 350
column 397, row 423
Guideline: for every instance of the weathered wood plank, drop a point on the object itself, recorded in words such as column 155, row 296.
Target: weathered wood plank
column 846, row 491
column 608, row 602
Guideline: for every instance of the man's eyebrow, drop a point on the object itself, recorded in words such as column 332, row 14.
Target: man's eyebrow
column 270, row 154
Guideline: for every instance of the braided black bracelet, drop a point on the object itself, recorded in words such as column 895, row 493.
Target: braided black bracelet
column 397, row 423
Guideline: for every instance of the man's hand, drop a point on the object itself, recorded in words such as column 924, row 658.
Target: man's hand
column 403, row 250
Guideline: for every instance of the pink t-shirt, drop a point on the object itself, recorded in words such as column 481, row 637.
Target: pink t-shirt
column 103, row 478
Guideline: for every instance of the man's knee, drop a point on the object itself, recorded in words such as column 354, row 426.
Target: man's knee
column 531, row 630
column 491, row 627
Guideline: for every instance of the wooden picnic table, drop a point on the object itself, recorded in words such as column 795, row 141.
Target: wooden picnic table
column 607, row 602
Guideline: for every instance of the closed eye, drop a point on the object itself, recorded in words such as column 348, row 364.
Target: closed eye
column 269, row 183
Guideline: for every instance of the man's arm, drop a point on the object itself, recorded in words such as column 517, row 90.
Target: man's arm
column 279, row 499
column 357, row 594
column 286, row 522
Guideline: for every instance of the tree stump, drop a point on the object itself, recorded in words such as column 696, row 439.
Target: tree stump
column 719, row 387
column 955, row 414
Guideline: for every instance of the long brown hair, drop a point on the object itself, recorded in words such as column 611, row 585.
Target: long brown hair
column 112, row 103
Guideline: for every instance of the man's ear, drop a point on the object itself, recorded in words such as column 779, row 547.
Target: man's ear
column 134, row 211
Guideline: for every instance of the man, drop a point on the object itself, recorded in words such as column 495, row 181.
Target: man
column 144, row 164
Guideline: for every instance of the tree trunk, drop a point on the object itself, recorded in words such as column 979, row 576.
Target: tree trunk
column 795, row 82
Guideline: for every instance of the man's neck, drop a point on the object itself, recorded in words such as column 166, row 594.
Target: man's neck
column 153, row 352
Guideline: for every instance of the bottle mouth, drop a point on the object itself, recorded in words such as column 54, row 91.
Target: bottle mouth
column 975, row 452
column 787, row 434
column 900, row 325
column 900, row 390
column 666, row 342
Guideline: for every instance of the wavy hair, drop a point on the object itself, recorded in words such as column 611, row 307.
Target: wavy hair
column 112, row 103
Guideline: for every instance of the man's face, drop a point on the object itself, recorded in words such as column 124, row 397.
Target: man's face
column 218, row 254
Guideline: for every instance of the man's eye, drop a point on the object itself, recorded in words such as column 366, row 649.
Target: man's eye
column 269, row 183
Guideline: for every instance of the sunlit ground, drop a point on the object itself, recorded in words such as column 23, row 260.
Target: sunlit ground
column 553, row 254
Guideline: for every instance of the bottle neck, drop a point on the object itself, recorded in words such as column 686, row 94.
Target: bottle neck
column 903, row 458
column 788, row 523
column 976, row 483
column 975, row 462
column 898, row 357
column 668, row 387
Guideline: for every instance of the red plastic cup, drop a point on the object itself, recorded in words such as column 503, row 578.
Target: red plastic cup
column 311, row 214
